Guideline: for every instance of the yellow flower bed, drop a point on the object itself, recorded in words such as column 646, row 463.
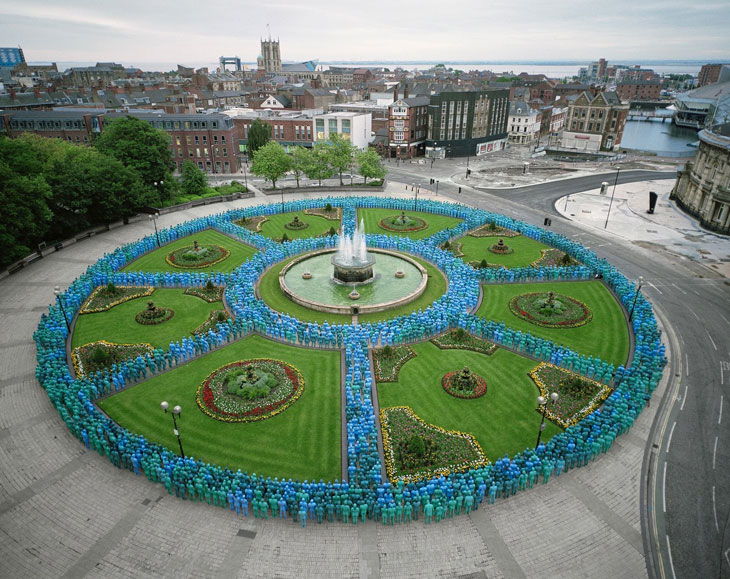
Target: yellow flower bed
column 86, row 309
column 76, row 352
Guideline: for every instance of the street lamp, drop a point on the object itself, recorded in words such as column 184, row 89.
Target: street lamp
column 175, row 412
column 467, row 164
column 158, row 185
column 437, row 187
column 57, row 293
column 282, row 201
column 618, row 170
column 541, row 400
column 153, row 218
column 636, row 295
column 415, row 202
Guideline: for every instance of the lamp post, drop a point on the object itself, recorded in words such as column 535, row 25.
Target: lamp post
column 415, row 202
column 618, row 170
column 158, row 185
column 636, row 295
column 525, row 167
column 437, row 187
column 175, row 412
column 282, row 201
column 467, row 165
column 57, row 293
column 565, row 210
column 541, row 400
column 153, row 218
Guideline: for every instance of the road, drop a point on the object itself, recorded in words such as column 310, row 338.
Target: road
column 686, row 499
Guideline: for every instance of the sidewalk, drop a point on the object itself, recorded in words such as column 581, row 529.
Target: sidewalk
column 668, row 228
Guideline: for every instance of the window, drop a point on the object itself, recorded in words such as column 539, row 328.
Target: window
column 215, row 139
column 205, row 139
column 197, row 152
column 223, row 139
column 177, row 141
column 188, row 140
column 346, row 125
column 197, row 140
column 296, row 132
column 398, row 136
column 225, row 153
column 332, row 126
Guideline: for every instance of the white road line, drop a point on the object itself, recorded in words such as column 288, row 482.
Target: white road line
column 664, row 488
column 686, row 365
column 723, row 317
column 727, row 558
column 711, row 340
column 691, row 311
column 719, row 418
column 657, row 289
column 671, row 563
column 722, row 373
column 671, row 433
column 684, row 398
column 603, row 245
column 714, row 509
column 680, row 289
column 681, row 339
column 714, row 454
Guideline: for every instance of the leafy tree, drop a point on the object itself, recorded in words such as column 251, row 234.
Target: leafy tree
column 259, row 133
column 301, row 158
column 142, row 148
column 341, row 151
column 319, row 167
column 369, row 165
column 194, row 180
column 271, row 162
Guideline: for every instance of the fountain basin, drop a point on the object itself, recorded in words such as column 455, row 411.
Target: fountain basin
column 325, row 294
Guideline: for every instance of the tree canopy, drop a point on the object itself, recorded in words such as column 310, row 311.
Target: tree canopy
column 271, row 161
column 259, row 133
column 340, row 151
column 369, row 165
column 319, row 166
column 194, row 181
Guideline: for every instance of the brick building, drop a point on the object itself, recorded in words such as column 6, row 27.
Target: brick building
column 407, row 125
column 639, row 90
column 594, row 123
column 710, row 74
column 289, row 128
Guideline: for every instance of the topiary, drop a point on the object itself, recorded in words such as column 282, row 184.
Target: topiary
column 483, row 263
column 100, row 356
column 387, row 351
column 566, row 259
column 221, row 316
column 460, row 335
column 284, row 238
column 209, row 285
column 416, row 446
column 328, row 207
column 332, row 231
column 111, row 289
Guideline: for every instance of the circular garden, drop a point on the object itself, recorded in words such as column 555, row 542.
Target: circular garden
column 270, row 387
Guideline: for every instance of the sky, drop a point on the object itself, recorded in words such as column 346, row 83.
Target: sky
column 134, row 32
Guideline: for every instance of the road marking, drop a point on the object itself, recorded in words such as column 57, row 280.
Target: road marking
column 664, row 488
column 684, row 398
column 711, row 340
column 671, row 563
column 719, row 418
column 671, row 433
column 724, row 318
column 603, row 245
column 714, row 454
column 655, row 287
column 722, row 372
column 686, row 365
column 714, row 509
column 691, row 311
column 727, row 558
column 681, row 339
column 680, row 289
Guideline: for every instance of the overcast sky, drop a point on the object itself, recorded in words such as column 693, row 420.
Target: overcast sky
column 187, row 31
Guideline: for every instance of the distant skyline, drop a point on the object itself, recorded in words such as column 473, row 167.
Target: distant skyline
column 137, row 32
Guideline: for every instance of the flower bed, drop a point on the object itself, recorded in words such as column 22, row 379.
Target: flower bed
column 216, row 399
column 455, row 340
column 387, row 365
column 334, row 215
column 554, row 258
column 152, row 316
column 212, row 322
column 86, row 363
column 446, row 451
column 500, row 248
column 209, row 295
column 493, row 230
column 566, row 312
column 402, row 223
column 478, row 265
column 252, row 223
column 101, row 299
column 578, row 396
column 454, row 247
column 475, row 389
column 192, row 257
column 296, row 224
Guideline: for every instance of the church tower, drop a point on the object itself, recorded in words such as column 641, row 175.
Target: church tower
column 270, row 59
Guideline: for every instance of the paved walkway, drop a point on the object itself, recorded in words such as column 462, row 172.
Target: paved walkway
column 66, row 512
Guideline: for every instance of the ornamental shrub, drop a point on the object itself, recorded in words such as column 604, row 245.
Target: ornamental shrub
column 100, row 356
column 483, row 263
column 387, row 351
column 332, row 231
column 416, row 446
column 328, row 207
column 209, row 285
column 221, row 316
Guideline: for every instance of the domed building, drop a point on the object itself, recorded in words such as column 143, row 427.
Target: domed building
column 703, row 185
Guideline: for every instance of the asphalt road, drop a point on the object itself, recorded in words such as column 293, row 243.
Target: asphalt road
column 686, row 488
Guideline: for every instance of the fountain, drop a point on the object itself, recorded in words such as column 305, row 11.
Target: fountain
column 352, row 262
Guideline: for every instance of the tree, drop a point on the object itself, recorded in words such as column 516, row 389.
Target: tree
column 301, row 158
column 271, row 162
column 340, row 151
column 319, row 166
column 259, row 133
column 194, row 180
column 369, row 165
column 142, row 148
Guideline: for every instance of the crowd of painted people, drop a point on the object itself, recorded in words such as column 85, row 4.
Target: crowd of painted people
column 364, row 494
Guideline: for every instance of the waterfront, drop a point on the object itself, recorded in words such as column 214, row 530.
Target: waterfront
column 662, row 138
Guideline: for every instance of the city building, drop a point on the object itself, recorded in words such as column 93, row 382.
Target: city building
column 270, row 58
column 288, row 128
column 11, row 57
column 703, row 107
column 523, row 124
column 102, row 74
column 467, row 123
column 74, row 126
column 355, row 127
column 639, row 90
column 703, row 185
column 379, row 112
column 594, row 123
column 710, row 74
column 407, row 125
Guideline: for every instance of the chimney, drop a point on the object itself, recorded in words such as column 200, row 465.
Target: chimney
column 405, row 91
column 395, row 93
column 12, row 94
column 36, row 93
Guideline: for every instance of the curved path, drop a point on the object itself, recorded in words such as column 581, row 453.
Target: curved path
column 66, row 512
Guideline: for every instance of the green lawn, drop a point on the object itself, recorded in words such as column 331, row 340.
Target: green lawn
column 605, row 336
column 504, row 420
column 526, row 250
column 118, row 324
column 274, row 226
column 271, row 293
column 155, row 260
column 302, row 442
column 372, row 217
